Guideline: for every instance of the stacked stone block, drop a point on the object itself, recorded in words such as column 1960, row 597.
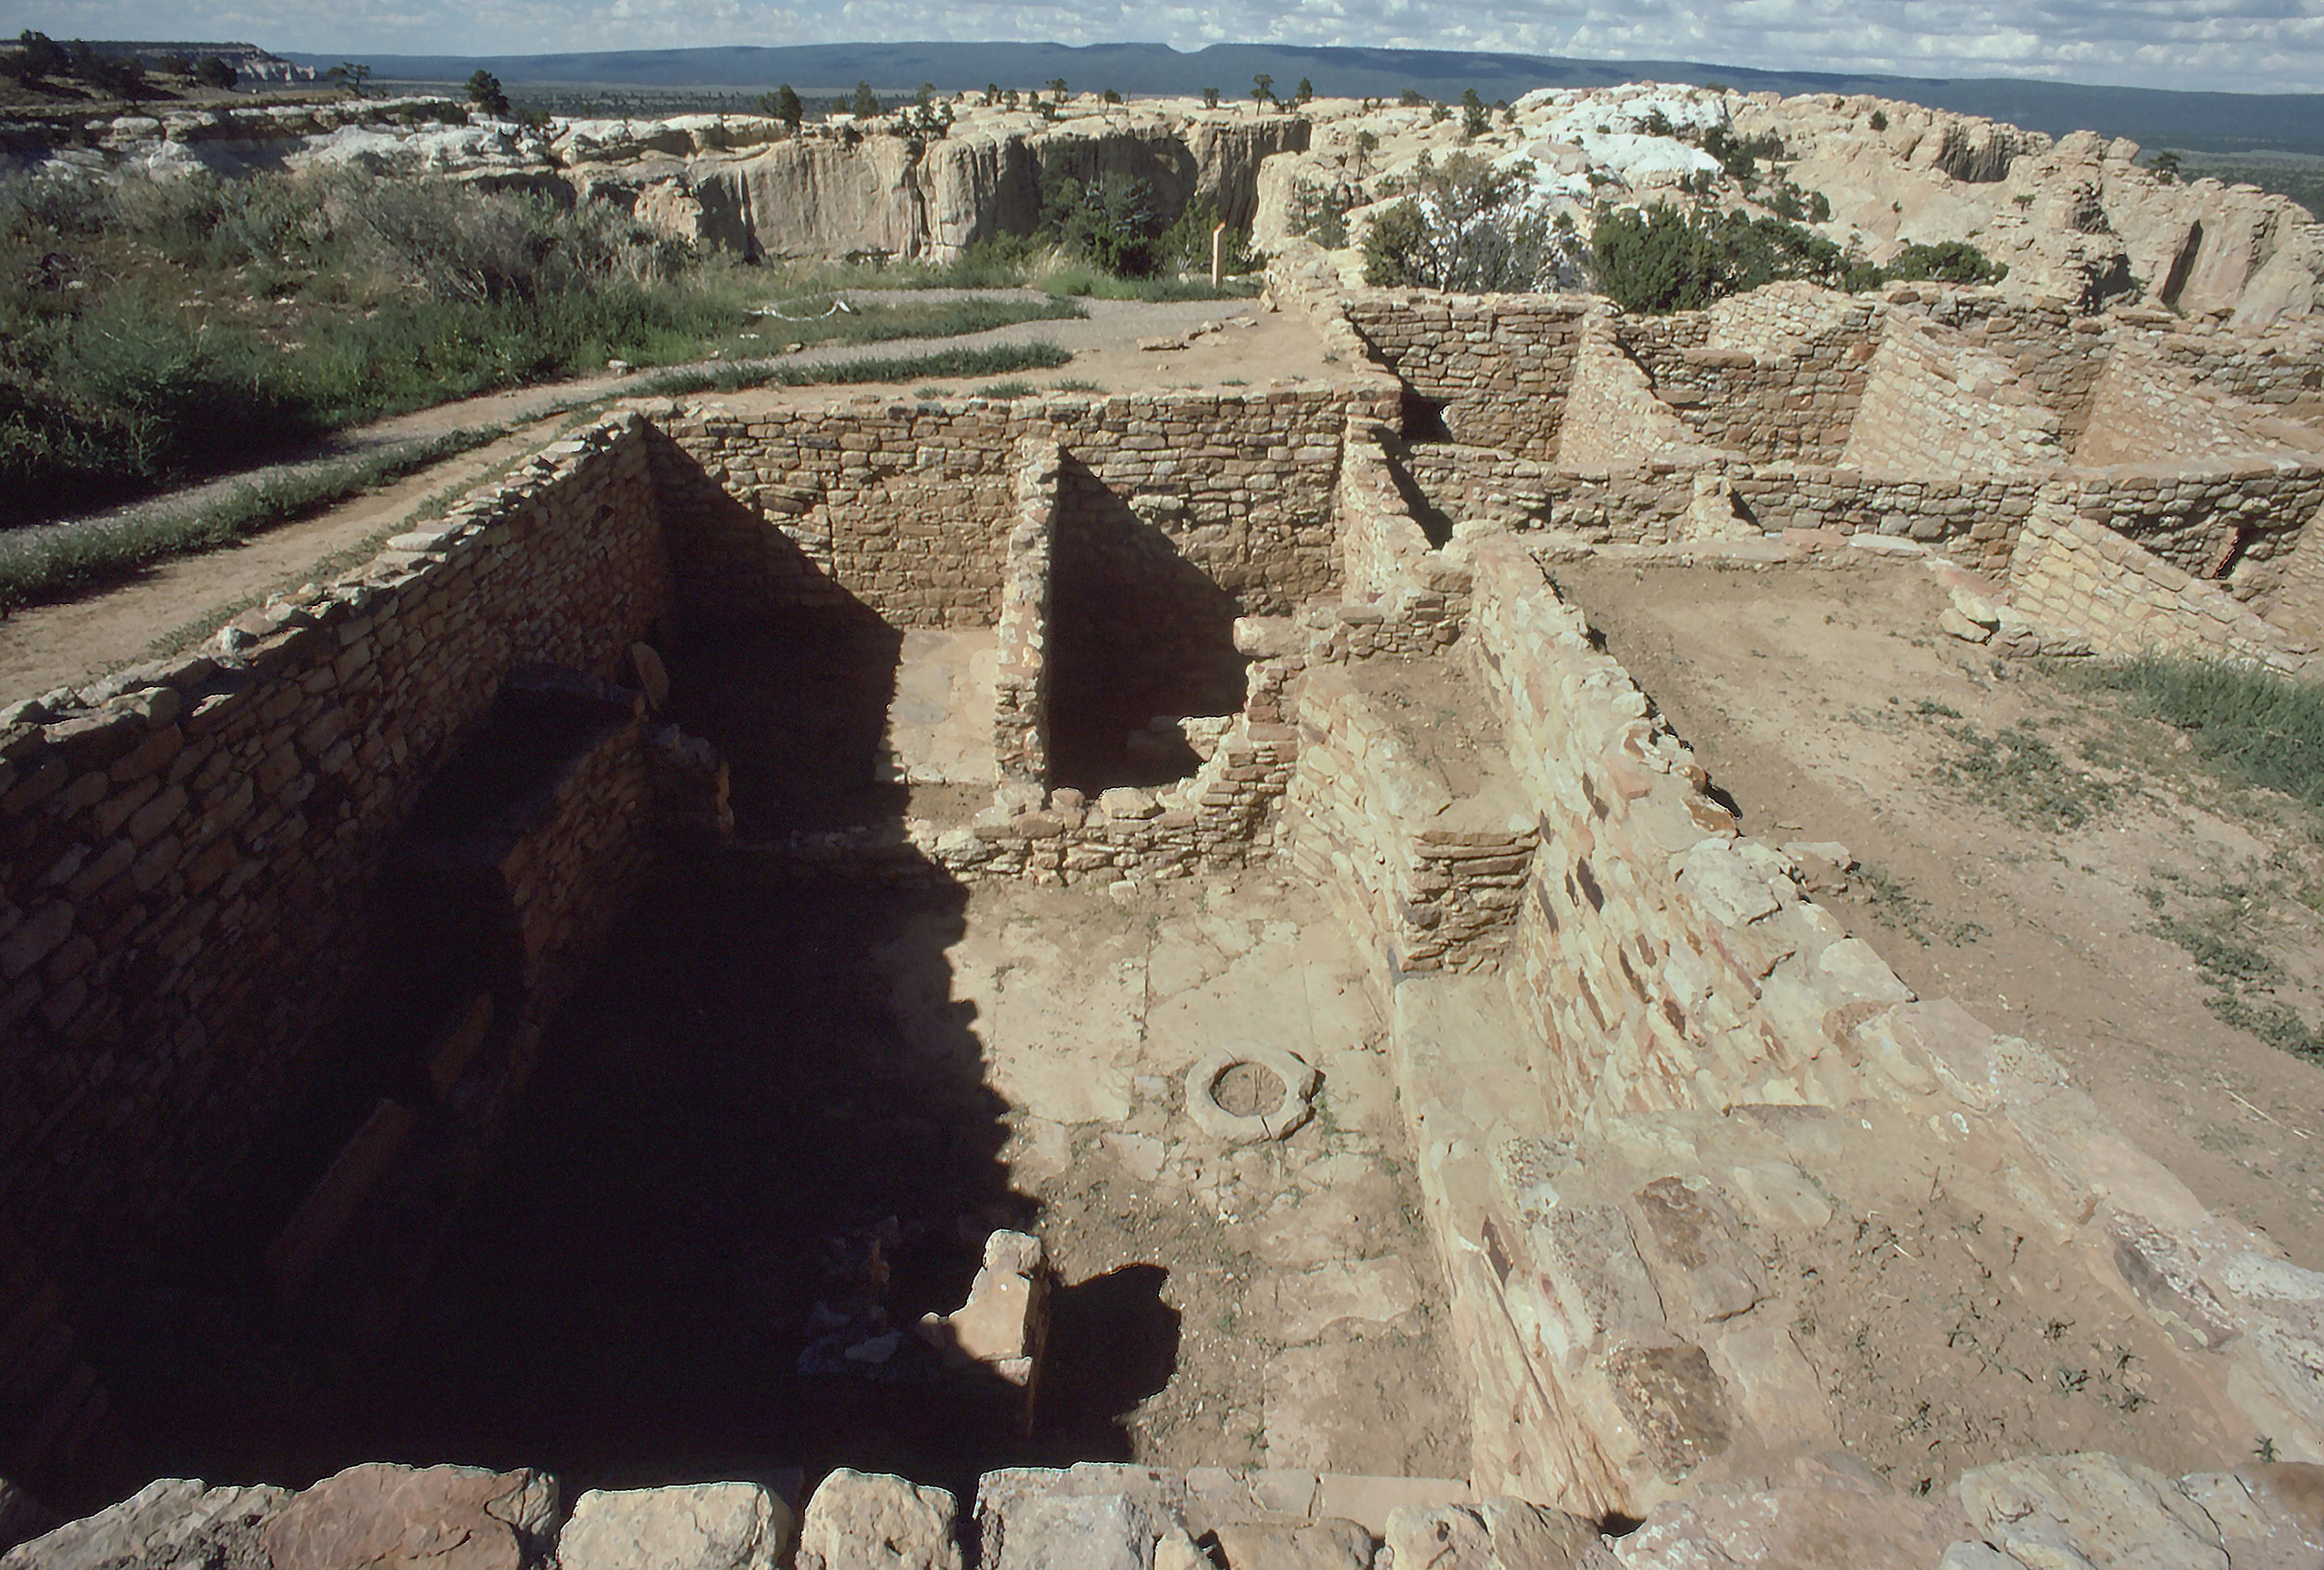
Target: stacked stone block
column 184, row 844
column 1434, row 880
column 1947, row 409
column 2077, row 578
column 1497, row 366
column 907, row 508
column 1020, row 696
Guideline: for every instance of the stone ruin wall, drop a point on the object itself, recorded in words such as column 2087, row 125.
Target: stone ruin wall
column 2143, row 406
column 1662, row 961
column 905, row 508
column 186, row 845
column 2121, row 600
column 1498, row 367
column 1946, row 409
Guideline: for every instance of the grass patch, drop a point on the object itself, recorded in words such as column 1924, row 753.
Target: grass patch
column 2223, row 925
column 41, row 565
column 1074, row 384
column 156, row 331
column 2252, row 725
column 2023, row 775
column 998, row 360
column 1005, row 390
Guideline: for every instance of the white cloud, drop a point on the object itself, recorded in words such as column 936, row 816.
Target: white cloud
column 2247, row 45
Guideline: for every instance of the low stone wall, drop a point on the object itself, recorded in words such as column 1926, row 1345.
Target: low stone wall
column 1020, row 693
column 907, row 508
column 1497, row 366
column 2238, row 522
column 1482, row 484
column 2073, row 577
column 1436, row 879
column 179, row 839
column 1679, row 999
column 1664, row 962
column 1939, row 410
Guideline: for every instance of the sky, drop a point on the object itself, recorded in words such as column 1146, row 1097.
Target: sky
column 2275, row 46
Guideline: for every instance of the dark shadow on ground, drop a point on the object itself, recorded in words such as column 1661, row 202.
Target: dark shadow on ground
column 1137, row 632
column 759, row 1138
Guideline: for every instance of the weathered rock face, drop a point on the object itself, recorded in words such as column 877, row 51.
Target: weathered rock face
column 889, row 195
column 2074, row 217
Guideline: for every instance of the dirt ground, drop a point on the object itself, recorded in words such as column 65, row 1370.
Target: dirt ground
column 2029, row 846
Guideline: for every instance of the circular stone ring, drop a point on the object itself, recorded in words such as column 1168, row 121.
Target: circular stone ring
column 1290, row 1109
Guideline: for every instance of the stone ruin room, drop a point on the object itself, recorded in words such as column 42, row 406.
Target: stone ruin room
column 1159, row 978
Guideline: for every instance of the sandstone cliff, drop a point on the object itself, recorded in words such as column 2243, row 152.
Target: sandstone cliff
column 835, row 195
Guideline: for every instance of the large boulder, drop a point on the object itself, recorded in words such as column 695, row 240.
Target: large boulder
column 381, row 1517
column 706, row 1526
column 871, row 1520
column 167, row 1524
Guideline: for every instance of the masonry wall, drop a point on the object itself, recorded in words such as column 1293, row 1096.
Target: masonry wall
column 2297, row 602
column 1775, row 375
column 1661, row 960
column 1434, row 880
column 2055, row 356
column 2069, row 574
column 1942, row 410
column 906, row 506
column 2145, row 409
column 1613, row 418
column 1497, row 366
column 2238, row 522
column 1020, row 693
column 181, row 846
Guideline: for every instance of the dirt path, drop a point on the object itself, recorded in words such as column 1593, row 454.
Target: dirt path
column 52, row 646
column 1823, row 700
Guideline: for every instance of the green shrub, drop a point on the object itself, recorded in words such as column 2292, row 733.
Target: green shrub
column 1473, row 227
column 1660, row 259
column 1948, row 261
column 2257, row 726
column 220, row 322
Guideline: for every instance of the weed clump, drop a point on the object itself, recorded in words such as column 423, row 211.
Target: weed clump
column 2255, row 725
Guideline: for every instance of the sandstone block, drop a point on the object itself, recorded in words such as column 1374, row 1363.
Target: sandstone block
column 173, row 1522
column 432, row 1518
column 872, row 1521
column 706, row 1526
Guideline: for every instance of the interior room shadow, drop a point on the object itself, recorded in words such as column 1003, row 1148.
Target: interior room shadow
column 1137, row 632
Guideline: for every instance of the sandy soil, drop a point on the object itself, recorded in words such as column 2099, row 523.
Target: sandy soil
column 1823, row 700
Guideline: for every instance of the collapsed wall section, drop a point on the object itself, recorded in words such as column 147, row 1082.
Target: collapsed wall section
column 2106, row 593
column 1946, row 410
column 188, row 838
